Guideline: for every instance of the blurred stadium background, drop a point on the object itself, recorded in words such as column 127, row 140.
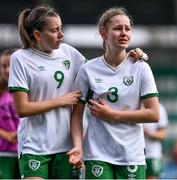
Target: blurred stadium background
column 155, row 31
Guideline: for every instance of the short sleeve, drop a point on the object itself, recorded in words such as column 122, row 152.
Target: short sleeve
column 147, row 86
column 82, row 84
column 18, row 80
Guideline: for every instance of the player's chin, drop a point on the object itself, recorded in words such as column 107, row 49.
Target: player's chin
column 56, row 46
column 123, row 46
column 57, row 43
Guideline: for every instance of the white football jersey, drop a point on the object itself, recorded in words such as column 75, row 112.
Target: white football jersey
column 154, row 147
column 122, row 88
column 45, row 77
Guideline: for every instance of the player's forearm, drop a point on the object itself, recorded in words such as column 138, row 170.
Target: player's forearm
column 2, row 133
column 77, row 132
column 158, row 135
column 77, row 125
column 38, row 107
column 137, row 116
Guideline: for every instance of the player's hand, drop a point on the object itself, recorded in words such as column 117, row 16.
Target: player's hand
column 71, row 98
column 100, row 109
column 75, row 157
column 138, row 54
column 10, row 136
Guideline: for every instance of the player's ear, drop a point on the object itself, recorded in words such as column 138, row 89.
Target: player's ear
column 37, row 35
column 103, row 33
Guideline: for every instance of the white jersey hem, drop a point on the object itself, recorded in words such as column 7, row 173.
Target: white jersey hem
column 43, row 153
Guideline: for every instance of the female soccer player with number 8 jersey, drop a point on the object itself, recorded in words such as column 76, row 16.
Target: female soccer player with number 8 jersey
column 114, row 141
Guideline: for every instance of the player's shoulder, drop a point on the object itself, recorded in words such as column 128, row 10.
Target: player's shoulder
column 21, row 53
column 93, row 62
column 140, row 64
column 90, row 64
column 66, row 47
column 69, row 51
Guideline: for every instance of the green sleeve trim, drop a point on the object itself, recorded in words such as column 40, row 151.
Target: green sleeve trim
column 14, row 89
column 149, row 96
column 82, row 101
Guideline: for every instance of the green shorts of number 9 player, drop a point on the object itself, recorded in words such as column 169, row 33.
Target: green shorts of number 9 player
column 104, row 170
column 55, row 166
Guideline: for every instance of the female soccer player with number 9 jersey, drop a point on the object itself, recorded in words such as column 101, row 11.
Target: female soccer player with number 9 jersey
column 114, row 141
column 41, row 78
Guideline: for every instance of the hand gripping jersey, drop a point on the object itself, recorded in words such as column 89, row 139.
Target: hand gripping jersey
column 43, row 77
column 122, row 88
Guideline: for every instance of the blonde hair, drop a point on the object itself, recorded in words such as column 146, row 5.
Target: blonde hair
column 33, row 19
column 105, row 18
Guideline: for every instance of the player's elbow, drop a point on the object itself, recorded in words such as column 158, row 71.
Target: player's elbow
column 20, row 113
column 155, row 117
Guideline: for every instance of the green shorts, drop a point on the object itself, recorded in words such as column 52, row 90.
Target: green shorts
column 9, row 168
column 104, row 170
column 154, row 167
column 55, row 166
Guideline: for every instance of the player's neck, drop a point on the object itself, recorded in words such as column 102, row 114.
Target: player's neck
column 114, row 59
column 42, row 49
